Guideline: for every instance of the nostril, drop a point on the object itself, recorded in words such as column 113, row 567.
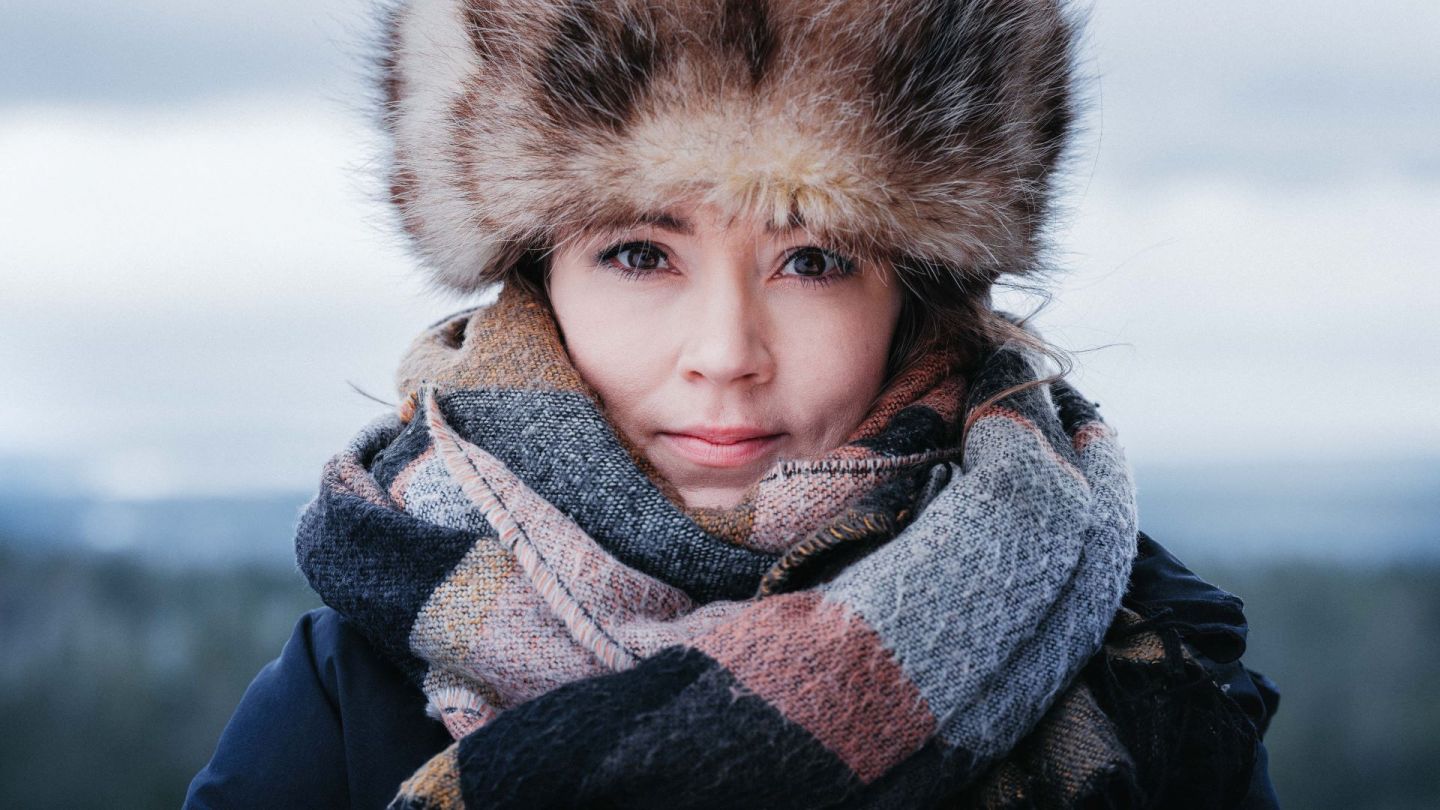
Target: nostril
column 452, row 334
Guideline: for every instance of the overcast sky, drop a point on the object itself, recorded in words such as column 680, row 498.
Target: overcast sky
column 193, row 270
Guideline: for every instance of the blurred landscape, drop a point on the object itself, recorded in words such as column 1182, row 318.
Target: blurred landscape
column 129, row 629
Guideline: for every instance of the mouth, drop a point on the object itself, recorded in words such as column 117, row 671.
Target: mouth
column 721, row 447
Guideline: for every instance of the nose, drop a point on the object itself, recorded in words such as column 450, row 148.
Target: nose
column 726, row 330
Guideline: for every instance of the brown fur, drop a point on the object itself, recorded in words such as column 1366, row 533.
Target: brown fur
column 924, row 128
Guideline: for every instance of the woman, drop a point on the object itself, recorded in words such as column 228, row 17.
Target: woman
column 740, row 494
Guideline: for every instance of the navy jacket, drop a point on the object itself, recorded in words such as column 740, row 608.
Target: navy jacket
column 332, row 724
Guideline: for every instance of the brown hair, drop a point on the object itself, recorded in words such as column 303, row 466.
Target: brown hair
column 942, row 307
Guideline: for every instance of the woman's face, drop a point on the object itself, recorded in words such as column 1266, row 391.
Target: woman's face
column 719, row 348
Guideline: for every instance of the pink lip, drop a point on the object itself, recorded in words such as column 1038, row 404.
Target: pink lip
column 722, row 447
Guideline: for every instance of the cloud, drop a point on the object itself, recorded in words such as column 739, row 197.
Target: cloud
column 150, row 52
column 200, row 288
column 235, row 201
column 1257, row 322
column 1288, row 91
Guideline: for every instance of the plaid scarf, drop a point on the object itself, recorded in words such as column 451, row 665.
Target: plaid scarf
column 875, row 627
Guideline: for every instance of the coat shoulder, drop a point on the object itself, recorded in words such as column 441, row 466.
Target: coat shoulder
column 1171, row 678
column 329, row 722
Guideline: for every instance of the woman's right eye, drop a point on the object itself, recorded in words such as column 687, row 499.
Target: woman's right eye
column 634, row 258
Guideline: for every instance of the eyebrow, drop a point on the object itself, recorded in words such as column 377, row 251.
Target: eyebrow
column 681, row 225
column 666, row 221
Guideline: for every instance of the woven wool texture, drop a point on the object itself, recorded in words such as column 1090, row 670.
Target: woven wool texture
column 892, row 619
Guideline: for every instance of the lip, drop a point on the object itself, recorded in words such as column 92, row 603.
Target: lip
column 721, row 446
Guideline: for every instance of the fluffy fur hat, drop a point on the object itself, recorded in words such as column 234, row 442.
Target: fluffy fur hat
column 928, row 129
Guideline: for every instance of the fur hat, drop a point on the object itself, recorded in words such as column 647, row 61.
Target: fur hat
column 928, row 129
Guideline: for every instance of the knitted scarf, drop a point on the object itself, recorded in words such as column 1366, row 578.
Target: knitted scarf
column 874, row 627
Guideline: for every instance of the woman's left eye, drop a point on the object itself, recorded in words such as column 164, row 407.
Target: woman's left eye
column 817, row 265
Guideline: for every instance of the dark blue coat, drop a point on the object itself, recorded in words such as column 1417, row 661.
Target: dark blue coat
column 332, row 724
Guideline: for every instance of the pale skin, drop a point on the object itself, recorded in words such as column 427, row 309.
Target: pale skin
column 719, row 347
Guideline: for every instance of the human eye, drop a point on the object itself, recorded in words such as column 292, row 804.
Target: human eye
column 814, row 265
column 635, row 259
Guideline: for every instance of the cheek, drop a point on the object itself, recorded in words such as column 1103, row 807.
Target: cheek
column 604, row 352
column 835, row 358
column 606, row 334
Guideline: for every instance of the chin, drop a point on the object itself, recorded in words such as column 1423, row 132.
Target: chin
column 712, row 498
column 712, row 488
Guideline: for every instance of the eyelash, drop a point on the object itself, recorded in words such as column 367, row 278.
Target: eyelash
column 844, row 266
